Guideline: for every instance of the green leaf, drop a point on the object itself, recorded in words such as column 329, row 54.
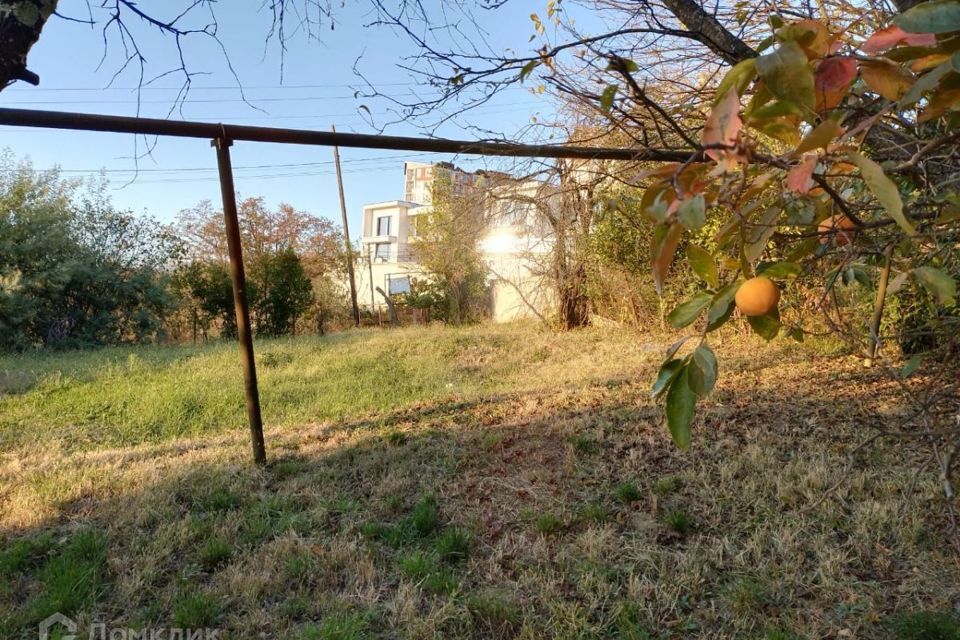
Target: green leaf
column 692, row 212
column 722, row 305
column 779, row 270
column 703, row 370
column 665, row 376
column 787, row 75
column 855, row 273
column 687, row 312
column 681, row 402
column 935, row 16
column 927, row 82
column 738, row 78
column 606, row 98
column 795, row 333
column 883, row 189
column 804, row 249
column 528, row 68
column 761, row 233
column 702, row 264
column 776, row 109
column 767, row 327
column 672, row 349
column 940, row 285
column 911, row 366
column 654, row 203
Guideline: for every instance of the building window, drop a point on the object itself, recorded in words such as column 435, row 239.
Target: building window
column 383, row 225
column 398, row 284
column 381, row 252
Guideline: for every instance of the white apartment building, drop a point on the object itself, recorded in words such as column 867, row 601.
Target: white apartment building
column 418, row 179
column 386, row 259
column 516, row 246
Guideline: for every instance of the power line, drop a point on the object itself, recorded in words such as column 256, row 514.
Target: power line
column 217, row 88
column 377, row 159
column 250, row 100
column 521, row 107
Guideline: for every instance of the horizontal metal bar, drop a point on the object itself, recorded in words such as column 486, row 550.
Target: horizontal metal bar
column 210, row 130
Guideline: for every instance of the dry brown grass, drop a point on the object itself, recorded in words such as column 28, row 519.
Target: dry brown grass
column 730, row 539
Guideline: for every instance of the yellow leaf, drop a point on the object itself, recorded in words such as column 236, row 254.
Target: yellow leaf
column 888, row 79
column 819, row 138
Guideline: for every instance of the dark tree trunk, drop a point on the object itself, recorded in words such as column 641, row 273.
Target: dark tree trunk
column 574, row 305
column 21, row 22
column 709, row 31
column 572, row 227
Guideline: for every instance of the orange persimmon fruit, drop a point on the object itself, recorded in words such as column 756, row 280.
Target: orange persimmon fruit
column 757, row 296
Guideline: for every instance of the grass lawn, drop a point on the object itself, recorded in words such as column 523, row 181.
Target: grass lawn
column 486, row 482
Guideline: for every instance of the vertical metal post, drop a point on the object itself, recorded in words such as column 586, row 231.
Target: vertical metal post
column 346, row 235
column 240, row 305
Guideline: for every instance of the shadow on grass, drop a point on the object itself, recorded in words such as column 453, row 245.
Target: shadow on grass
column 565, row 515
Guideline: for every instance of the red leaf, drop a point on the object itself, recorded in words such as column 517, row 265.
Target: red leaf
column 892, row 36
column 800, row 177
column 663, row 250
column 832, row 79
column 723, row 125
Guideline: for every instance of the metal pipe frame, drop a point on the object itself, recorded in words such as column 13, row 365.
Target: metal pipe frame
column 240, row 304
column 223, row 136
column 210, row 130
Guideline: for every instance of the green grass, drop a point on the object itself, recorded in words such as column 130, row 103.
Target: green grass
column 925, row 625
column 453, row 545
column 338, row 626
column 548, row 524
column 196, row 610
column 595, row 512
column 425, row 516
column 128, row 395
column 627, row 492
column 496, row 612
column 539, row 495
column 214, row 553
column 679, row 521
column 667, row 485
column 425, row 570
column 68, row 576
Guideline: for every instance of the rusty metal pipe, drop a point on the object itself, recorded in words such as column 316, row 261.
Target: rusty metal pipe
column 186, row 129
column 240, row 304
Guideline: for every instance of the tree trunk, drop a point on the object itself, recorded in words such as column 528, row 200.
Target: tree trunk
column 21, row 22
column 394, row 321
column 574, row 305
column 709, row 31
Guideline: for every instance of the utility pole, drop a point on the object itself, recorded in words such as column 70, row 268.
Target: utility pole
column 346, row 235
column 373, row 298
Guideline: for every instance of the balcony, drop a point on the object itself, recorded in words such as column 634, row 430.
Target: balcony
column 377, row 239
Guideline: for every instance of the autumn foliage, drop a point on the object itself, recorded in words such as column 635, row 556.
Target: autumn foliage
column 796, row 173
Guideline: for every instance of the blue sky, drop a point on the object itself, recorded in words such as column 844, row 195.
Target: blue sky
column 317, row 92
